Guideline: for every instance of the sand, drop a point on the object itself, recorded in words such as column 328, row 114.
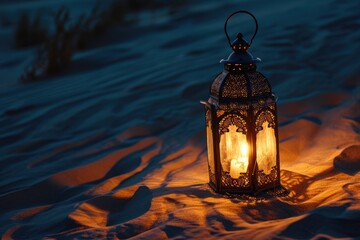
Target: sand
column 115, row 147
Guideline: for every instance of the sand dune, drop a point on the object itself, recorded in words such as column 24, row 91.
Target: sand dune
column 115, row 146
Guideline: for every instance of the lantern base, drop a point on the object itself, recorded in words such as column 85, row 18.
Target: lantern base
column 213, row 187
column 271, row 187
column 277, row 191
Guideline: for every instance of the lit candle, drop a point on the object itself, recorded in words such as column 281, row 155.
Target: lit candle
column 240, row 164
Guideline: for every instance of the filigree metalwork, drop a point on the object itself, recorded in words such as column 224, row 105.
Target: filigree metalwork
column 239, row 67
column 239, row 86
column 264, row 104
column 257, row 107
column 265, row 116
column 264, row 179
column 234, row 87
column 259, row 84
column 242, row 109
column 215, row 86
column 232, row 119
column 235, row 106
column 242, row 181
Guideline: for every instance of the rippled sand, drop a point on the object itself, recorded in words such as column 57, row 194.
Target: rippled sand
column 115, row 147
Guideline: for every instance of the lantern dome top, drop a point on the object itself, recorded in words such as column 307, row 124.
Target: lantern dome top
column 239, row 82
column 243, row 87
column 240, row 55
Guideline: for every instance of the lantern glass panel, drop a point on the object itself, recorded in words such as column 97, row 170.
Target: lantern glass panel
column 210, row 146
column 266, row 148
column 234, row 153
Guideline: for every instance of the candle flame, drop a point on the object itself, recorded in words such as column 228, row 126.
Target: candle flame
column 244, row 149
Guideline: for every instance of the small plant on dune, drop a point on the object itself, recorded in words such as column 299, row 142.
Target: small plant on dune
column 55, row 50
column 59, row 48
column 55, row 54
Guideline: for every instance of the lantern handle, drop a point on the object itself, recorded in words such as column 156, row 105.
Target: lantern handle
column 241, row 11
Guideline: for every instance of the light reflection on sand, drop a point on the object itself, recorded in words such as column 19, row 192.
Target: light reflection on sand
column 118, row 150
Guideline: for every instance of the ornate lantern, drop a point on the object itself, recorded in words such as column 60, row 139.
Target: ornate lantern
column 241, row 124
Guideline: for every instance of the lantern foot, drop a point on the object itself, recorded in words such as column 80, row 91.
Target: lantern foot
column 212, row 187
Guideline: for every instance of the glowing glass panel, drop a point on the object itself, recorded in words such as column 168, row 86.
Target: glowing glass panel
column 210, row 147
column 234, row 153
column 266, row 148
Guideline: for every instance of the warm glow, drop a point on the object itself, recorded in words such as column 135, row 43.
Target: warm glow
column 210, row 147
column 266, row 148
column 234, row 152
column 244, row 149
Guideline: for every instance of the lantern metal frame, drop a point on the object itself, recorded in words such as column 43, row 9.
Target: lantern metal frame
column 243, row 97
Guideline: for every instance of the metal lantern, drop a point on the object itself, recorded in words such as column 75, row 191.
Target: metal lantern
column 241, row 124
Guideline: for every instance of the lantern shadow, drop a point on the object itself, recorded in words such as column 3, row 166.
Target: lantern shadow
column 199, row 191
column 293, row 189
column 296, row 184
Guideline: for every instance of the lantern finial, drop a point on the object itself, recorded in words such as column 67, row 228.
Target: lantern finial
column 240, row 44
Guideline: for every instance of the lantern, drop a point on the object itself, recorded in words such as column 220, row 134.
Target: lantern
column 241, row 124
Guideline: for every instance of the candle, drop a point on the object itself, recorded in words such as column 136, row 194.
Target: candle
column 240, row 164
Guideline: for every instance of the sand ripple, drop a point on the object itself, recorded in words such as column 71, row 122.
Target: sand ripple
column 115, row 148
